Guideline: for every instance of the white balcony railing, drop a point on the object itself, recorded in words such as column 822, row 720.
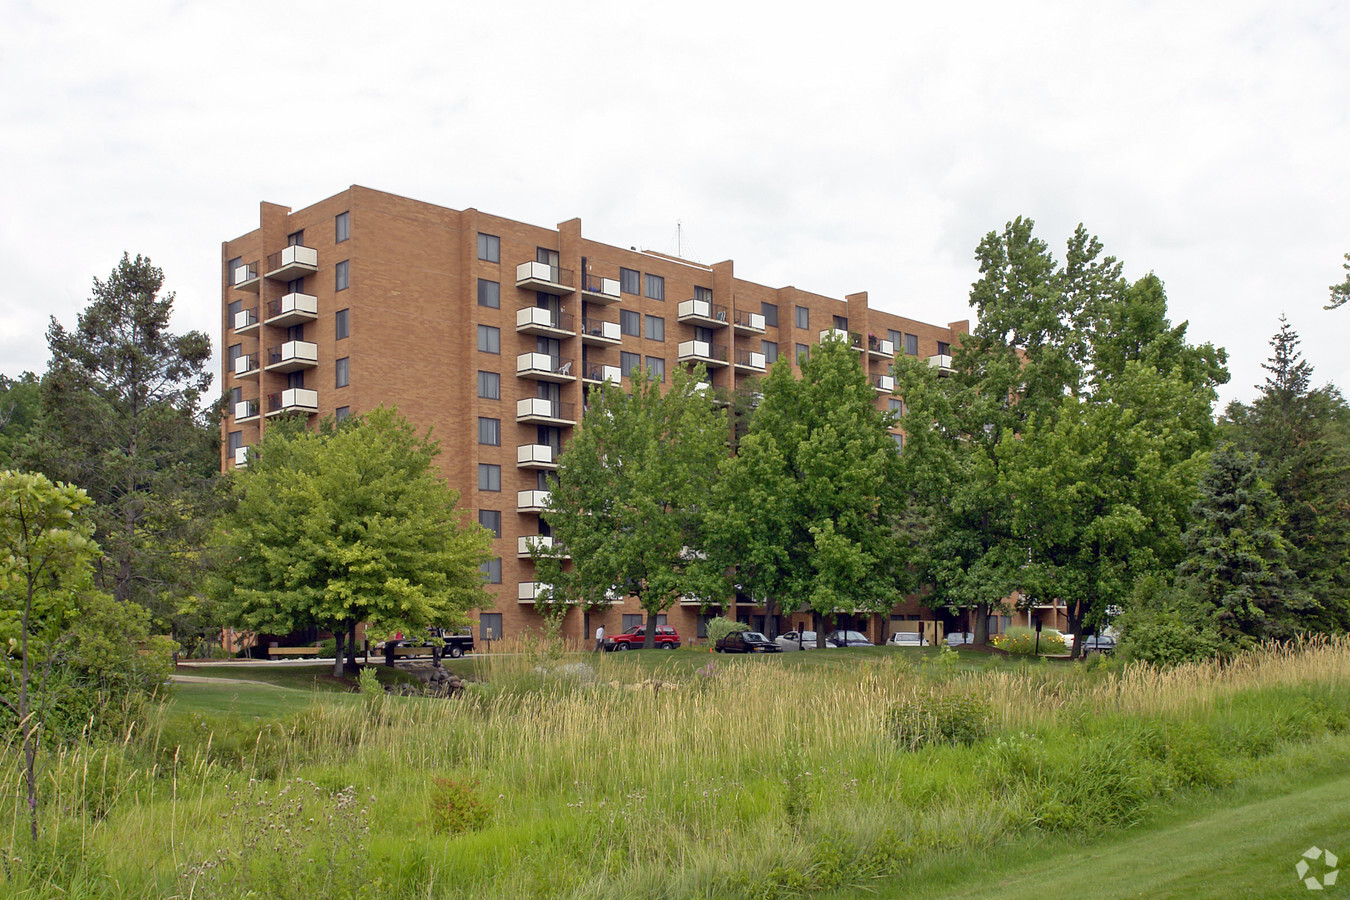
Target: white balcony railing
column 240, row 457
column 244, row 363
column 536, row 455
column 942, row 362
column 531, row 501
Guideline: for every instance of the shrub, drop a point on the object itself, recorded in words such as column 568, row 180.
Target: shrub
column 1170, row 625
column 1021, row 641
column 721, row 626
column 457, row 807
column 960, row 719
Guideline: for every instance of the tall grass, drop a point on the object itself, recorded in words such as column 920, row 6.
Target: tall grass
column 586, row 775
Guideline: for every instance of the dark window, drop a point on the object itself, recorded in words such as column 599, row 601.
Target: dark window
column 342, row 227
column 489, row 248
column 911, row 345
column 344, row 372
column 490, row 431
column 236, row 441
column 295, row 238
column 342, row 412
column 489, row 293
column 489, row 477
column 944, row 348
column 630, row 322
column 232, row 265
column 899, row 441
column 489, row 626
column 491, row 519
column 492, row 571
column 803, row 353
column 296, row 285
column 770, row 351
column 342, row 276
column 489, row 385
column 235, row 308
column 489, row 339
column 632, row 619
column 702, row 293
column 628, row 362
column 803, row 317
column 770, row 313
column 235, row 351
column 841, row 322
column 897, row 406
column 896, row 338
column 656, row 287
column 236, row 396
column 656, row 328
column 629, row 281
column 656, row 368
column 342, row 324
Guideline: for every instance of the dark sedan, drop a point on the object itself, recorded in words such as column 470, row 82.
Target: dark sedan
column 746, row 642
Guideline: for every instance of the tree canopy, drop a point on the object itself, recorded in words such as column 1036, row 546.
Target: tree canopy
column 344, row 525
column 629, row 500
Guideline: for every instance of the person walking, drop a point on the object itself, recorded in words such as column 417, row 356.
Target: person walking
column 599, row 638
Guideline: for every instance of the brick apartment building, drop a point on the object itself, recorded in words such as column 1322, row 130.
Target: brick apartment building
column 490, row 331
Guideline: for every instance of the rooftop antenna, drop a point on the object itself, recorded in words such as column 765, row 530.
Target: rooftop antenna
column 679, row 239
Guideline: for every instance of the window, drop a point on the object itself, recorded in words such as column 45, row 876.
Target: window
column 296, row 285
column 344, row 372
column 489, row 294
column 629, row 279
column 342, row 276
column 232, row 265
column 491, row 519
column 489, row 477
column 342, row 324
column 841, row 322
column 702, row 293
column 770, row 313
column 656, row 368
column 770, row 351
column 628, row 362
column 803, row 354
column 236, row 441
column 236, row 396
column 489, row 339
column 944, row 348
column 295, row 238
column 899, row 441
column 897, row 406
column 630, row 322
column 656, row 328
column 489, row 626
column 911, row 345
column 489, row 247
column 235, row 308
column 489, row 385
column 631, row 620
column 656, row 287
column 342, row 227
column 235, row 351
column 492, row 571
column 342, row 412
column 896, row 338
column 490, row 431
column 803, row 317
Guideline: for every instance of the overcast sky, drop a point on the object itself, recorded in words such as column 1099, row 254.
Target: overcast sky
column 836, row 147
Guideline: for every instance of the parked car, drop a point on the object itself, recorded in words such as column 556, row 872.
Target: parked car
column 454, row 644
column 1099, row 643
column 907, row 639
column 796, row 640
column 746, row 642
column 667, row 638
column 847, row 639
column 957, row 638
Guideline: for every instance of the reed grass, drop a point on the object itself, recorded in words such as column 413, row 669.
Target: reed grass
column 598, row 779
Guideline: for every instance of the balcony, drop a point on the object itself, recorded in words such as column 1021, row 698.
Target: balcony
column 531, row 501
column 246, row 365
column 943, row 363
column 883, row 383
column 599, row 374
column 240, row 457
column 703, row 312
column 750, row 361
column 245, row 411
column 292, row 309
column 292, row 263
column 748, row 321
column 537, row 320
column 246, row 320
column 703, row 352
column 246, row 277
column 852, row 338
column 538, row 411
column 543, row 542
column 599, row 290
column 599, row 331
column 534, row 592
column 292, row 400
column 537, row 276
column 292, row 356
column 877, row 347
column 536, row 456
column 542, row 367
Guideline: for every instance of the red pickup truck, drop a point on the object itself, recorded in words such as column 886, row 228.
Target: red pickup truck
column 667, row 638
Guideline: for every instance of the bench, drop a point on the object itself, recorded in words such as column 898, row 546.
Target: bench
column 293, row 651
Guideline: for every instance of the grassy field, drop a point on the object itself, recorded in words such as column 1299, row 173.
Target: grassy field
column 687, row 774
